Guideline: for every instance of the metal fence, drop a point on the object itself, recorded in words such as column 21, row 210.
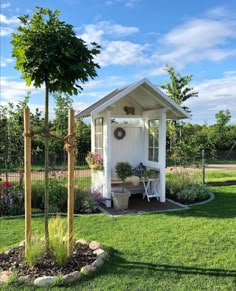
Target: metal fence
column 13, row 172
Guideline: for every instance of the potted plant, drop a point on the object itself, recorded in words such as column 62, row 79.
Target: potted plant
column 150, row 174
column 121, row 197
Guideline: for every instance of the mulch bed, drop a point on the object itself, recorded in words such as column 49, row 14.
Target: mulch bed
column 139, row 205
column 14, row 261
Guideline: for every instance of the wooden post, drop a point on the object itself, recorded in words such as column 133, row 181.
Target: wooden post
column 27, row 158
column 71, row 158
column 203, row 167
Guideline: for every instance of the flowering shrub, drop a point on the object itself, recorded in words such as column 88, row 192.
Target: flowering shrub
column 11, row 200
column 94, row 161
column 6, row 184
column 193, row 194
column 87, row 202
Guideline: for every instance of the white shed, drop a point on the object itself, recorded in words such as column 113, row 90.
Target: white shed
column 143, row 101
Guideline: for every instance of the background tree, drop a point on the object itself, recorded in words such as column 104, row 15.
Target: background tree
column 11, row 128
column 49, row 53
column 60, row 127
column 83, row 137
column 177, row 89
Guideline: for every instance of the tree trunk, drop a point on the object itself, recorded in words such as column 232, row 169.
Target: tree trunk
column 46, row 194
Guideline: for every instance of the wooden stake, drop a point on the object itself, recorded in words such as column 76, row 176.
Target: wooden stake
column 27, row 158
column 71, row 158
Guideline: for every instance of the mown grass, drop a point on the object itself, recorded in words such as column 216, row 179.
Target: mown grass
column 218, row 176
column 182, row 250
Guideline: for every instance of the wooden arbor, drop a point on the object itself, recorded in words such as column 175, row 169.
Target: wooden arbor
column 69, row 141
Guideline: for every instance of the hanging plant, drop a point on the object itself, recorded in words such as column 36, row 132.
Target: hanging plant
column 95, row 161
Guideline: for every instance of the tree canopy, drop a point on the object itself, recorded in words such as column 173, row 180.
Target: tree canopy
column 177, row 89
column 48, row 52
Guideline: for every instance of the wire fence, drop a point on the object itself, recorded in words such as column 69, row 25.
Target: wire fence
column 14, row 172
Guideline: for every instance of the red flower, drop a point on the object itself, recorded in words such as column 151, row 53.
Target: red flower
column 6, row 184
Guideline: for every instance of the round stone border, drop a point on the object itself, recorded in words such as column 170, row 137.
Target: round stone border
column 46, row 281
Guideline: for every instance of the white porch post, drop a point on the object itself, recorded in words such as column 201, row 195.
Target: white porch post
column 162, row 155
column 107, row 158
column 93, row 184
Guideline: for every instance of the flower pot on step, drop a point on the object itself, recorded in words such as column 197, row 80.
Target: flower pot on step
column 120, row 199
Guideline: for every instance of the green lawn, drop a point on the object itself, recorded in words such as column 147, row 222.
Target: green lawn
column 218, row 176
column 182, row 250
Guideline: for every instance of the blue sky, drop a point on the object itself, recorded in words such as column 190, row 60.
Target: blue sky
column 138, row 37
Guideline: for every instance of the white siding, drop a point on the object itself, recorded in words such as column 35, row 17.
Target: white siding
column 129, row 149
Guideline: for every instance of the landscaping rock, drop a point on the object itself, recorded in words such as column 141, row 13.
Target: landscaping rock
column 44, row 281
column 22, row 243
column 100, row 253
column 25, row 279
column 83, row 242
column 94, row 245
column 87, row 269
column 98, row 262
column 4, row 276
column 72, row 277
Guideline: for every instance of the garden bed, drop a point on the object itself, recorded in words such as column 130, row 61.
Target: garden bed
column 14, row 261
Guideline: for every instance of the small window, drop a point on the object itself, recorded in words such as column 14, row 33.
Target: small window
column 153, row 140
column 99, row 135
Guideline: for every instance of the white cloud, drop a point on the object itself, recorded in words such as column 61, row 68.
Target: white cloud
column 214, row 95
column 8, row 24
column 5, row 5
column 9, row 20
column 115, row 52
column 99, row 31
column 197, row 40
column 13, row 91
column 122, row 53
column 5, row 31
column 5, row 61
column 210, row 38
column 126, row 3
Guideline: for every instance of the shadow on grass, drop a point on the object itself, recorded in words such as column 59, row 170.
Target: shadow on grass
column 119, row 262
column 223, row 206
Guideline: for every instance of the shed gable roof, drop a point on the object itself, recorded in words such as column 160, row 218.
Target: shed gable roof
column 116, row 95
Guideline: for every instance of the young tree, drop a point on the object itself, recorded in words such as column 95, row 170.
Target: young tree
column 49, row 53
column 177, row 89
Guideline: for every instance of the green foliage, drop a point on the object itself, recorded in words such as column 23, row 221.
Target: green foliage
column 123, row 171
column 178, row 250
column 222, row 118
column 48, row 51
column 57, row 195
column 35, row 250
column 58, row 239
column 84, row 201
column 83, row 136
column 195, row 193
column 179, row 179
column 11, row 130
column 11, row 201
column 177, row 89
column 150, row 173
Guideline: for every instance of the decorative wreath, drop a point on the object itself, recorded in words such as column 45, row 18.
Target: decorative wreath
column 119, row 133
